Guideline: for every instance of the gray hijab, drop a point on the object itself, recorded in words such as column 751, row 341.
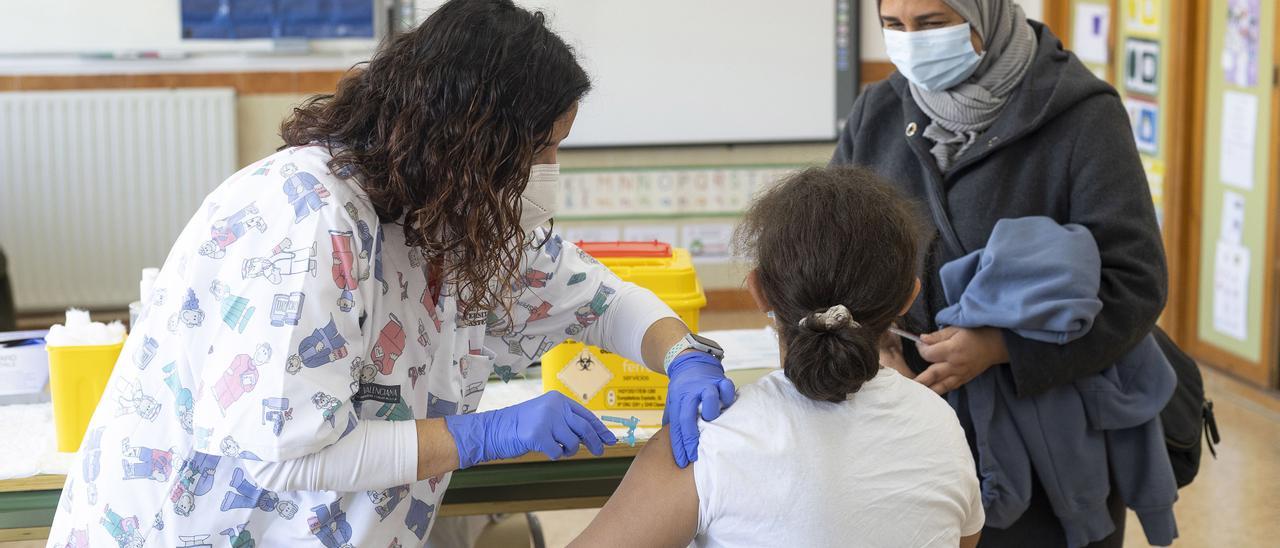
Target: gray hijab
column 961, row 113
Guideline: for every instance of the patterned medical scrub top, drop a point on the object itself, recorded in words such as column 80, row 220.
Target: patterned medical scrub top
column 284, row 315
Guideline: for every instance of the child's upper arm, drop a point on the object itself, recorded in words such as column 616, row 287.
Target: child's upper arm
column 656, row 504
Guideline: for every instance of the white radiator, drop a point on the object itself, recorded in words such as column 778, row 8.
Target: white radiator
column 95, row 185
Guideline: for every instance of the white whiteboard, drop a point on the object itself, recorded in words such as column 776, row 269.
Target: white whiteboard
column 703, row 71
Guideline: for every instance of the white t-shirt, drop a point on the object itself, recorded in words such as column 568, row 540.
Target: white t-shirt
column 887, row 467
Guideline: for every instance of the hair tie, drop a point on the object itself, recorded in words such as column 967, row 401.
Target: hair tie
column 836, row 317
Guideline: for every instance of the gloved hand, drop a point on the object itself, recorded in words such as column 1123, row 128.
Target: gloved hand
column 697, row 378
column 551, row 423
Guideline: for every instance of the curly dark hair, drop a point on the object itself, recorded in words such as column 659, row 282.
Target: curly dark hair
column 441, row 127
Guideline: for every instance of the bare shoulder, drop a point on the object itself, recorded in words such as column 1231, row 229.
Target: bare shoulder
column 654, row 490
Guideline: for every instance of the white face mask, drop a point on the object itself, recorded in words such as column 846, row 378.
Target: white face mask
column 935, row 59
column 541, row 196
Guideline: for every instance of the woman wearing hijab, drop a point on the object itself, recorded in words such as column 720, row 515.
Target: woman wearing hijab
column 989, row 118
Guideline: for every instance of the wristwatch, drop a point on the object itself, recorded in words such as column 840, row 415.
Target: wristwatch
column 693, row 342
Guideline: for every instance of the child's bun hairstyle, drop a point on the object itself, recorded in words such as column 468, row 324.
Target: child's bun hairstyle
column 836, row 254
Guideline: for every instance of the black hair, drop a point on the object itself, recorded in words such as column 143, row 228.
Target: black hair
column 441, row 126
column 825, row 237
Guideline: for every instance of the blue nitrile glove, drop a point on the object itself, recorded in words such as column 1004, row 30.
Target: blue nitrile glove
column 551, row 423
column 697, row 378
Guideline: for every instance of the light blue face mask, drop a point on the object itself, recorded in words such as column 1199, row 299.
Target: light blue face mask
column 935, row 59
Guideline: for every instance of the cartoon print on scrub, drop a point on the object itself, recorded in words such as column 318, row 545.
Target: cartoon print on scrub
column 133, row 401
column 386, row 500
column 240, row 377
column 189, row 315
column 323, row 346
column 328, row 405
column 183, row 403
column 366, row 239
column 230, row 448
column 195, row 478
column 369, row 241
column 418, row 518
column 276, row 411
column 438, row 407
column 124, row 530
column 236, row 310
column 536, row 279
column 91, row 462
column 239, row 536
column 195, row 541
column 265, row 168
column 589, row 313
column 77, row 538
column 577, row 278
column 404, row 286
column 389, row 346
column 345, row 275
column 329, row 525
column 432, row 299
column 145, row 353
column 246, row 494
column 286, row 308
column 282, row 262
column 145, row 462
column 304, row 191
column 227, row 230
column 399, row 411
column 414, row 373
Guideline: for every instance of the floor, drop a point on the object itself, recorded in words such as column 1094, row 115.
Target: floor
column 1234, row 502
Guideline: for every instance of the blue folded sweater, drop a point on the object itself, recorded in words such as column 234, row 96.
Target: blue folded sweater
column 1040, row 280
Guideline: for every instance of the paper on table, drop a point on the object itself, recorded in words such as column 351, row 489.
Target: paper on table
column 1239, row 136
column 1231, row 290
column 747, row 348
column 1092, row 27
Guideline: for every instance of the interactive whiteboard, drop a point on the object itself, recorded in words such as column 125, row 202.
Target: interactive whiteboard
column 707, row 71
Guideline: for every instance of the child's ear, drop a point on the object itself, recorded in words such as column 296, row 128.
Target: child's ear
column 753, row 287
column 914, row 293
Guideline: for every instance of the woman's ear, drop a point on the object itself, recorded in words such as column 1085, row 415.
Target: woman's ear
column 753, row 287
column 914, row 293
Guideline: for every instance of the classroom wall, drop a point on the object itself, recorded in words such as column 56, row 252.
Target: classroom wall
column 260, row 115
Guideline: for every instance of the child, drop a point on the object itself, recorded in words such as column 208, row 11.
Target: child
column 835, row 449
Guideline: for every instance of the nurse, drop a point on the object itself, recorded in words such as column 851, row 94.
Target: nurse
column 356, row 290
column 989, row 118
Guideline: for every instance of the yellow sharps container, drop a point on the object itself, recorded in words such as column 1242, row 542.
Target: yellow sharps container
column 607, row 383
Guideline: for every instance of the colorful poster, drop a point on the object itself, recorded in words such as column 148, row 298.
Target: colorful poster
column 1145, row 118
column 1142, row 66
column 1092, row 28
column 1142, row 16
column 710, row 242
column 1240, row 46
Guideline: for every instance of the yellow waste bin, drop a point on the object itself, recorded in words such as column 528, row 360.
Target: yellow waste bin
column 607, row 383
column 77, row 377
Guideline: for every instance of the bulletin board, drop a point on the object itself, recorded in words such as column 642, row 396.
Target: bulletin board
column 1236, row 301
column 1141, row 48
